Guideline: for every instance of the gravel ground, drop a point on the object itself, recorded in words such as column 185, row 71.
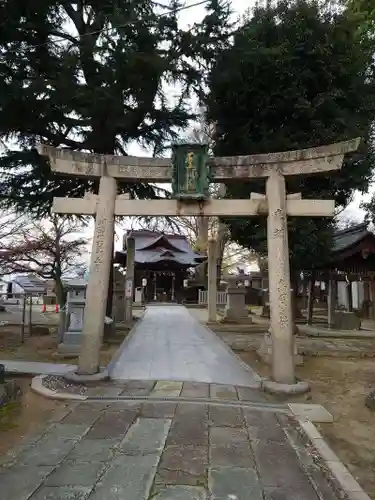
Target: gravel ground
column 60, row 384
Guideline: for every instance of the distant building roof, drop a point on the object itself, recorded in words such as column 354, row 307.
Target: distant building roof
column 154, row 247
column 353, row 251
column 345, row 238
column 30, row 283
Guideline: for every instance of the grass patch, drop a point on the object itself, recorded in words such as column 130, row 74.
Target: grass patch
column 8, row 414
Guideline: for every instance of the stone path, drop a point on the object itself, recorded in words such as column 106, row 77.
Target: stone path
column 169, row 344
column 37, row 368
column 123, row 450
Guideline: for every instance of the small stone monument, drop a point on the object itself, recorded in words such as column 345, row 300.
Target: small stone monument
column 118, row 296
column 235, row 309
column 75, row 304
column 344, row 320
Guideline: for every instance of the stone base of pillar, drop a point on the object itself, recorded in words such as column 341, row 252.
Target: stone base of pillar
column 236, row 309
column 275, row 388
column 232, row 318
column 68, row 350
column 71, row 344
column 343, row 320
column 265, row 351
column 82, row 378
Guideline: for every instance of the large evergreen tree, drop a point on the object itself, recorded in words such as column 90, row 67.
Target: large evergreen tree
column 91, row 76
column 295, row 77
column 364, row 13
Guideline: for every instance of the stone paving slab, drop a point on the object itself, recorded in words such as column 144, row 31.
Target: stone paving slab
column 181, row 493
column 62, row 493
column 127, row 477
column 167, row 451
column 12, row 488
column 165, row 389
column 238, row 482
column 76, row 473
column 195, row 390
column 230, row 447
column 263, row 425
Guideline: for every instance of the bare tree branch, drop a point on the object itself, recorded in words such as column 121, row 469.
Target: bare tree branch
column 46, row 248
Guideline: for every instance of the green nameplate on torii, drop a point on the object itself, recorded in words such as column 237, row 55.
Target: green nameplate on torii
column 191, row 175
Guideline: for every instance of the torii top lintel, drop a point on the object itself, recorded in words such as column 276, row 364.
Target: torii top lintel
column 134, row 168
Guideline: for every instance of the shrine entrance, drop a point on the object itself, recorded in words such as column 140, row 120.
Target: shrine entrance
column 163, row 287
column 161, row 263
column 190, row 170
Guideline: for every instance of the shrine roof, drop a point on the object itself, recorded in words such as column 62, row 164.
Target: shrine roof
column 345, row 238
column 152, row 247
column 30, row 283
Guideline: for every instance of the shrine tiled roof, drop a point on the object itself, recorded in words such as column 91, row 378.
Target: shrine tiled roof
column 345, row 238
column 154, row 247
column 30, row 283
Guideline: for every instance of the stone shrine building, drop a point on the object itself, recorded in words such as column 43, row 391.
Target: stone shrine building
column 162, row 263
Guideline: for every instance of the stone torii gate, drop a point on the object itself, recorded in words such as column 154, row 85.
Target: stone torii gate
column 191, row 176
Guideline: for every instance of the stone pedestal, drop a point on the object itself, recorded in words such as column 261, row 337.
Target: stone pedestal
column 75, row 307
column 236, row 310
column 265, row 351
column 343, row 320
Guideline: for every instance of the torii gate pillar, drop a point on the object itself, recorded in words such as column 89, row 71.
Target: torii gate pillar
column 279, row 282
column 97, row 287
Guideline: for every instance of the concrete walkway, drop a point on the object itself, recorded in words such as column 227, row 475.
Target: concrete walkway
column 36, row 367
column 170, row 344
column 212, row 449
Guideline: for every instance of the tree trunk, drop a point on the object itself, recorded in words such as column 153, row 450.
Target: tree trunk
column 61, row 300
